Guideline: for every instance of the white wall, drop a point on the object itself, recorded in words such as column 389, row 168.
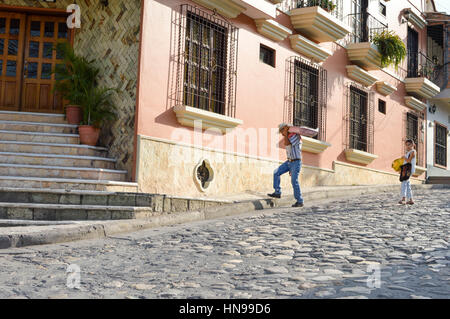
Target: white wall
column 442, row 116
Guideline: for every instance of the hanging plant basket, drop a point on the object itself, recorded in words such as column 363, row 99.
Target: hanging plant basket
column 391, row 48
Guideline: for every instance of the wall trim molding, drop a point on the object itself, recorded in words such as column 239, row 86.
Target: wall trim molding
column 368, row 169
column 333, row 170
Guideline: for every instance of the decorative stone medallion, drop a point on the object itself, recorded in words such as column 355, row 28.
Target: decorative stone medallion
column 203, row 174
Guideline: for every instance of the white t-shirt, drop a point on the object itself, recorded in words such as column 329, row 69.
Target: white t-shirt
column 413, row 162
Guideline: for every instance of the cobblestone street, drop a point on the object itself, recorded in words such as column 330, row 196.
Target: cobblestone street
column 328, row 249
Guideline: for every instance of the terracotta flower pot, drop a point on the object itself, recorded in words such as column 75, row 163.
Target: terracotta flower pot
column 89, row 135
column 73, row 114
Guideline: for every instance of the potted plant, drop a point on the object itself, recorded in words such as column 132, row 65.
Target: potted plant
column 72, row 78
column 97, row 109
column 391, row 48
column 327, row 5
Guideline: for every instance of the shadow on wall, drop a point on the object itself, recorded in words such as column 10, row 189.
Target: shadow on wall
column 168, row 117
column 174, row 55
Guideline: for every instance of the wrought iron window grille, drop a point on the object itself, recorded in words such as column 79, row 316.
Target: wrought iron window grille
column 440, row 147
column 359, row 119
column 307, row 100
column 413, row 130
column 206, row 61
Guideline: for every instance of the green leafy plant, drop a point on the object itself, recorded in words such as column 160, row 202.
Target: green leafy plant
column 98, row 107
column 76, row 81
column 391, row 48
column 75, row 76
column 327, row 5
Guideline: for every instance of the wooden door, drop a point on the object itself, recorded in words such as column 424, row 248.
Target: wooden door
column 42, row 34
column 12, row 32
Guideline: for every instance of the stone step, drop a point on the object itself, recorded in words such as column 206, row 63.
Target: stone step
column 24, row 202
column 75, row 197
column 37, row 127
column 67, row 184
column 56, row 160
column 52, row 148
column 438, row 180
column 62, row 172
column 32, row 117
column 39, row 137
column 27, row 211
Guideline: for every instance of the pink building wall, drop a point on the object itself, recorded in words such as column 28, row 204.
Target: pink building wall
column 261, row 88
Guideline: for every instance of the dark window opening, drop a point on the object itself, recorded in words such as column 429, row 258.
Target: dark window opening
column 412, row 133
column 440, row 146
column 205, row 65
column 267, row 55
column 358, row 119
column 308, row 93
column 383, row 9
column 382, row 106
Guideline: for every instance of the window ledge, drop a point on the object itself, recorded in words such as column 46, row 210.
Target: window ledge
column 358, row 74
column 272, row 29
column 308, row 48
column 189, row 116
column 358, row 156
column 317, row 24
column 312, row 145
column 419, row 171
column 385, row 88
column 365, row 54
column 421, row 86
column 415, row 104
column 226, row 8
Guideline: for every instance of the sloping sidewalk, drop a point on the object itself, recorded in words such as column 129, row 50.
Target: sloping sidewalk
column 15, row 233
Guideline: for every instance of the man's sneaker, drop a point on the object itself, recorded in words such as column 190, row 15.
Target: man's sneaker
column 298, row 205
column 275, row 195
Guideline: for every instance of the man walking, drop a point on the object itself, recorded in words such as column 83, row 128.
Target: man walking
column 293, row 165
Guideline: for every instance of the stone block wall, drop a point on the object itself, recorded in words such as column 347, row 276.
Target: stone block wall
column 166, row 167
column 110, row 36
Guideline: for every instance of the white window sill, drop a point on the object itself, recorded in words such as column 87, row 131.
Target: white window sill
column 312, row 145
column 195, row 117
column 360, row 157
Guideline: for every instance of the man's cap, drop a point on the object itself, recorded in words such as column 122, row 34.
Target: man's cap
column 281, row 126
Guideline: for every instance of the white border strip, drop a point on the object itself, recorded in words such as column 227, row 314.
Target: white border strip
column 162, row 140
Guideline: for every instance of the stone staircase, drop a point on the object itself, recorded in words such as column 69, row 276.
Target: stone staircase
column 43, row 151
column 45, row 173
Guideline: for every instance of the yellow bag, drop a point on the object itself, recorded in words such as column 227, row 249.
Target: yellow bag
column 397, row 163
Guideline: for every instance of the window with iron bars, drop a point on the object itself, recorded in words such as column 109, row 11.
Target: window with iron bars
column 413, row 133
column 440, row 145
column 359, row 118
column 207, row 60
column 308, row 85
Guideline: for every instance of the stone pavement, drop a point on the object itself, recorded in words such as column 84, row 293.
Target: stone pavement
column 367, row 247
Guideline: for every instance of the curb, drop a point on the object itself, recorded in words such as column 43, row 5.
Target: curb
column 44, row 235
